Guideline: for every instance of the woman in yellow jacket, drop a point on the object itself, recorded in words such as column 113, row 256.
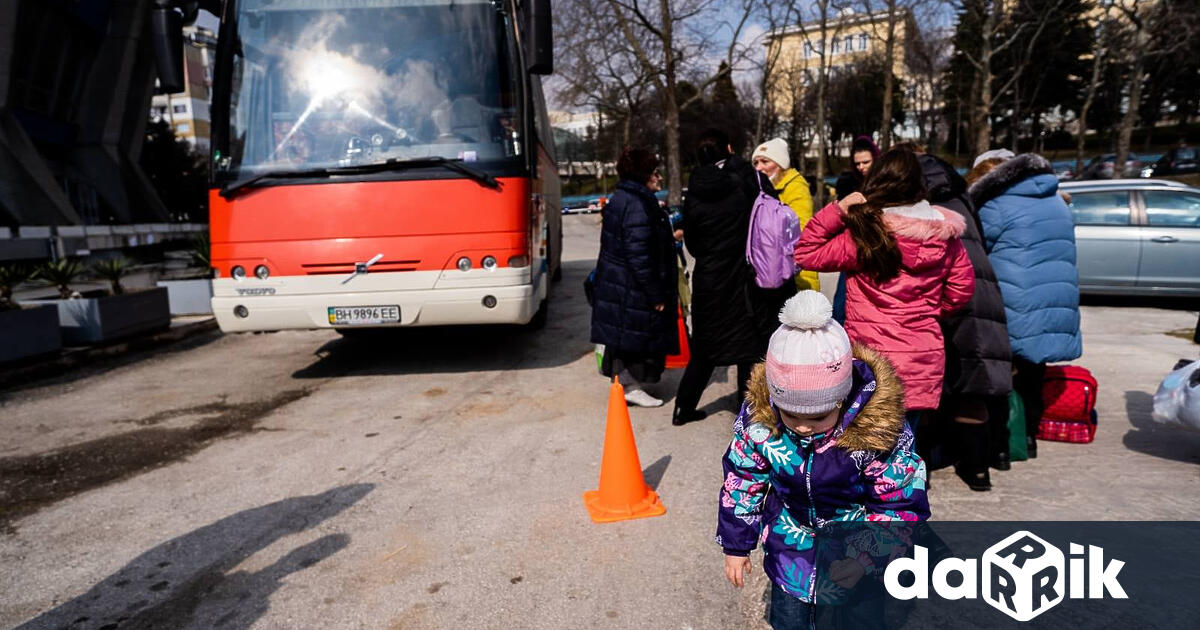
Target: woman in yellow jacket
column 771, row 158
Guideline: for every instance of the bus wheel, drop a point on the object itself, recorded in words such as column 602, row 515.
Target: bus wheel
column 539, row 318
column 558, row 272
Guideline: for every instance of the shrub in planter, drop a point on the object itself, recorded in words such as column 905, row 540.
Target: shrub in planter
column 112, row 270
column 27, row 332
column 191, row 294
column 11, row 275
column 60, row 273
column 99, row 319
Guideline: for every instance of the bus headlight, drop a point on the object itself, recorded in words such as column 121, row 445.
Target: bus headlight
column 518, row 261
column 261, row 272
column 238, row 272
column 464, row 264
column 489, row 262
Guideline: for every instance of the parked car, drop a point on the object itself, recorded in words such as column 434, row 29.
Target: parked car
column 582, row 204
column 1177, row 161
column 1063, row 169
column 1104, row 167
column 1136, row 236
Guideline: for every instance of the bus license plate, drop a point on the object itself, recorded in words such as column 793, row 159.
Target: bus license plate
column 363, row 315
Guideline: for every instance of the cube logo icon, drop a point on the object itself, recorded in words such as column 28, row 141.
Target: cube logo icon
column 1023, row 576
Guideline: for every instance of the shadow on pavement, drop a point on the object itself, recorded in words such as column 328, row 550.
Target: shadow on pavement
column 654, row 473
column 186, row 581
column 467, row 348
column 1152, row 438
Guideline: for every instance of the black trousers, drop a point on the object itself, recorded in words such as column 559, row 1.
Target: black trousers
column 695, row 379
column 1028, row 383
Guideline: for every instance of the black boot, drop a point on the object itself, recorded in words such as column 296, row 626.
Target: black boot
column 680, row 417
column 972, row 466
column 1000, row 460
column 1031, row 447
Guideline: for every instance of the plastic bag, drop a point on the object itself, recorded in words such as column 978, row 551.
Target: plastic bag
column 1177, row 400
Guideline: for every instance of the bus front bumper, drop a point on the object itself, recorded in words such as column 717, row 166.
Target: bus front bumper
column 429, row 307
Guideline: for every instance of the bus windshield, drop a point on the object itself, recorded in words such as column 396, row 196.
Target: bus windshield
column 324, row 83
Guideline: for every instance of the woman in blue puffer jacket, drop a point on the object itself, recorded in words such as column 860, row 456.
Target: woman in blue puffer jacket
column 1030, row 239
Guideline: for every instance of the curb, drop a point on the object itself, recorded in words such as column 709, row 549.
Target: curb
column 68, row 359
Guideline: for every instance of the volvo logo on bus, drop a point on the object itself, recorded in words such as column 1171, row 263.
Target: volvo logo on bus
column 257, row 291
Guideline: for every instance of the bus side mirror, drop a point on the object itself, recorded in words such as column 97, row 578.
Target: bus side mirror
column 166, row 26
column 540, row 51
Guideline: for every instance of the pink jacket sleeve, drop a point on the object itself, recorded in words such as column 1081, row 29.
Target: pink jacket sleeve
column 960, row 282
column 825, row 244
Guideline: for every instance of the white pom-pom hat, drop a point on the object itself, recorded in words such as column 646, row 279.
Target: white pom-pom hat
column 809, row 360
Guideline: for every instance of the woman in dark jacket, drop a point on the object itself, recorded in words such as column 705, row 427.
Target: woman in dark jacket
column 636, row 290
column 978, row 357
column 732, row 318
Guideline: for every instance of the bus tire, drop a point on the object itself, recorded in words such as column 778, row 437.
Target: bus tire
column 558, row 272
column 539, row 318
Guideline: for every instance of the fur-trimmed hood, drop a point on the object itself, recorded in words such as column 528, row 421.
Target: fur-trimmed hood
column 878, row 422
column 924, row 222
column 1015, row 171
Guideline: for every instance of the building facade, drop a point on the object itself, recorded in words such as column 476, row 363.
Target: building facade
column 797, row 53
column 76, row 77
column 187, row 111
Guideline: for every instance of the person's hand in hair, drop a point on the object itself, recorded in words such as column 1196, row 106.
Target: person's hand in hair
column 851, row 200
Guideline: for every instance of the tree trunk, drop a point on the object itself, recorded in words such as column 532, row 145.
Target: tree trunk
column 1093, row 85
column 674, row 168
column 1014, row 121
column 889, row 59
column 980, row 122
column 1125, row 134
column 819, row 129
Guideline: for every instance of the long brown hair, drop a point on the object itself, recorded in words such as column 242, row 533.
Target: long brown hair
column 895, row 179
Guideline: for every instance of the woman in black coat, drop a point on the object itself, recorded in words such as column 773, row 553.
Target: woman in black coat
column 978, row 356
column 636, row 286
column 732, row 318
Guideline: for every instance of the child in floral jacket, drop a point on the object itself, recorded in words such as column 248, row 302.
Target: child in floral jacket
column 823, row 430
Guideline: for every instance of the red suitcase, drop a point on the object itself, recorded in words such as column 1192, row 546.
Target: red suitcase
column 1069, row 396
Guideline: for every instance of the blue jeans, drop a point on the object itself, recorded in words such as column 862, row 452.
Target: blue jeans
column 789, row 613
column 839, row 300
column 864, row 610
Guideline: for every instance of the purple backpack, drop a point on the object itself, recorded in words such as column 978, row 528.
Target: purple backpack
column 771, row 243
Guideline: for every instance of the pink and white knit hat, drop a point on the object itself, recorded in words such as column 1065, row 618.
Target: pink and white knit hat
column 809, row 361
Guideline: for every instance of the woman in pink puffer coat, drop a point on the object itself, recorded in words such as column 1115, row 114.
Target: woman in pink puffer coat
column 906, row 268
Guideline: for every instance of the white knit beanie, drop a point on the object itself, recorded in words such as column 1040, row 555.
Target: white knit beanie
column 776, row 150
column 809, row 360
column 1001, row 154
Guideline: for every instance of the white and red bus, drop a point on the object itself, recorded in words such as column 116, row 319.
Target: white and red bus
column 382, row 163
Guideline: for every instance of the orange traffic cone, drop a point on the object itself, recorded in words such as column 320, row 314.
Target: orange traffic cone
column 685, row 353
column 623, row 492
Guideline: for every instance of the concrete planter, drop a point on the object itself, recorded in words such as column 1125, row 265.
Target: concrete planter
column 101, row 319
column 29, row 332
column 189, row 297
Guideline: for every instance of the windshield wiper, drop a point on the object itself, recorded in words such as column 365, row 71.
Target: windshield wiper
column 235, row 188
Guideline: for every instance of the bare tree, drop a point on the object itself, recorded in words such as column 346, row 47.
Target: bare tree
column 598, row 70
column 1155, row 30
column 927, row 57
column 775, row 16
column 817, row 23
column 1101, row 26
column 667, row 38
column 984, row 95
column 896, row 14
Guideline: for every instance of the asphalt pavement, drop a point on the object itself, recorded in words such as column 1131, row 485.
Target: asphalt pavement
column 433, row 479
